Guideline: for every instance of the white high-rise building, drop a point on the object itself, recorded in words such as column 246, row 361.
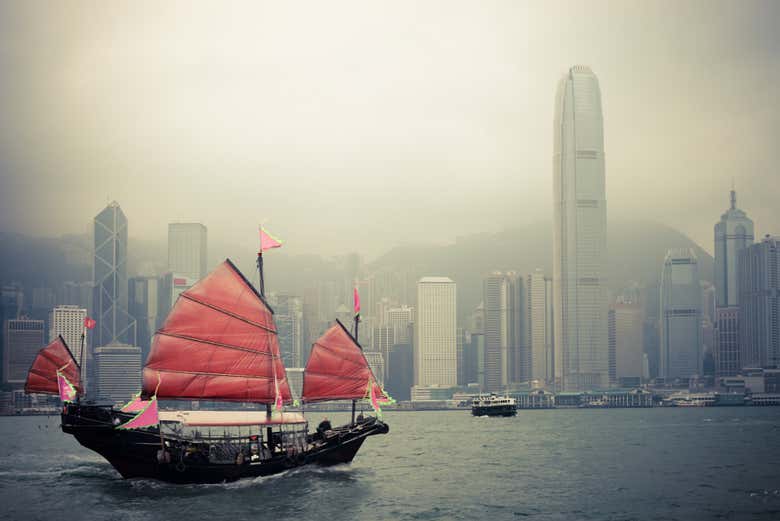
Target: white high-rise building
column 68, row 321
column 580, row 234
column 187, row 249
column 680, row 313
column 435, row 349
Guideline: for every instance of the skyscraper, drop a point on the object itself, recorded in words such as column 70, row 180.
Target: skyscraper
column 538, row 289
column 11, row 300
column 144, row 306
column 496, row 296
column 759, row 303
column 629, row 344
column 187, row 250
column 733, row 234
column 680, row 312
column 435, row 356
column 288, row 316
column 68, row 321
column 114, row 323
column 399, row 319
column 579, row 231
column 23, row 339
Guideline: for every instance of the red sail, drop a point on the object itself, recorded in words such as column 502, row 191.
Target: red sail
column 337, row 369
column 42, row 377
column 218, row 343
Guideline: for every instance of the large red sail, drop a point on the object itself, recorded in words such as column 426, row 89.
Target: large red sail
column 337, row 369
column 42, row 377
column 218, row 343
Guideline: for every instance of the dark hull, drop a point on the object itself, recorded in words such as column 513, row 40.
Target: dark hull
column 494, row 410
column 134, row 453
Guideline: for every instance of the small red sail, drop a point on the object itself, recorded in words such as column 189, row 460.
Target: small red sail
column 337, row 369
column 218, row 343
column 42, row 377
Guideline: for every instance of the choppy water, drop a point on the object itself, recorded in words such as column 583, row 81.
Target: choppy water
column 718, row 463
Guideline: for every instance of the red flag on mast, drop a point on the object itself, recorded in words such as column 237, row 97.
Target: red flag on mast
column 89, row 323
column 356, row 300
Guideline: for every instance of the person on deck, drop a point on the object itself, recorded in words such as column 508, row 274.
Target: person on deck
column 324, row 426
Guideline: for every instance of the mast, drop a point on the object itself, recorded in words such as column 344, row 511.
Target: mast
column 260, row 272
column 356, row 306
column 81, row 351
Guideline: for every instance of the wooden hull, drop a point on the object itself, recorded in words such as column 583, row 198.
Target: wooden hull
column 134, row 453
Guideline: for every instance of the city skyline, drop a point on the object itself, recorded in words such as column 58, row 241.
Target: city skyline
column 238, row 152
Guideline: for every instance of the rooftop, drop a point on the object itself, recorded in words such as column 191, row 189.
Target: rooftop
column 440, row 280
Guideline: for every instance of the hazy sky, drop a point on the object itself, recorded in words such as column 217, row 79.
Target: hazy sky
column 358, row 125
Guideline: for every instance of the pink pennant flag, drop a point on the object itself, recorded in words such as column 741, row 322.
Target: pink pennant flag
column 146, row 417
column 356, row 300
column 135, row 405
column 67, row 391
column 268, row 241
column 374, row 399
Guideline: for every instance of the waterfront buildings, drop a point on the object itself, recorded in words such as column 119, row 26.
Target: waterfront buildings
column 759, row 304
column 187, row 250
column 579, row 231
column 680, row 312
column 435, row 356
column 68, row 322
column 114, row 323
column 118, row 370
column 22, row 339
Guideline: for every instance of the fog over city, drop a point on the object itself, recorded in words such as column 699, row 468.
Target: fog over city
column 353, row 126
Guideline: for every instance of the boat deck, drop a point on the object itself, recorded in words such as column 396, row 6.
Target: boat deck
column 230, row 418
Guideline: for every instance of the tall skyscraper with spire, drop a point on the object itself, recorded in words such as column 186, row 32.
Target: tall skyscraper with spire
column 733, row 233
column 580, row 234
column 114, row 323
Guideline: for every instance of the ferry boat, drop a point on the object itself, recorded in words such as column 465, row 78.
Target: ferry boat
column 219, row 343
column 693, row 400
column 493, row 405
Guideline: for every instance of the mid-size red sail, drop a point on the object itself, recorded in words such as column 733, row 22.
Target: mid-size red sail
column 218, row 343
column 42, row 377
column 337, row 369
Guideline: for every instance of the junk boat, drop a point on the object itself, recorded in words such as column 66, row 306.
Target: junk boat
column 219, row 343
column 493, row 405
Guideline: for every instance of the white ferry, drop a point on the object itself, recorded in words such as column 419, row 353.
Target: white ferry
column 493, row 405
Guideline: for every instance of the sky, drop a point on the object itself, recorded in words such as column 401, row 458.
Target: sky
column 357, row 126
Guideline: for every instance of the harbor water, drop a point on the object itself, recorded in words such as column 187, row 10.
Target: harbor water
column 653, row 464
